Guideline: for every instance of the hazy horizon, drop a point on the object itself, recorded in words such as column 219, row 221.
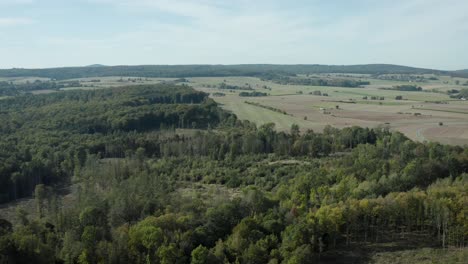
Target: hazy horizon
column 218, row 64
column 51, row 33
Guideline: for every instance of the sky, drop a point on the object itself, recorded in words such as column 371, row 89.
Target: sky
column 57, row 33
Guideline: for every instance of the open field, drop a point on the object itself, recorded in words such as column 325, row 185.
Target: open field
column 418, row 115
column 22, row 79
column 421, row 256
column 424, row 115
column 406, row 248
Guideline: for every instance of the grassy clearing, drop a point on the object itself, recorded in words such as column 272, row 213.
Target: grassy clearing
column 208, row 192
column 408, row 248
column 421, row 256
column 22, row 79
column 262, row 116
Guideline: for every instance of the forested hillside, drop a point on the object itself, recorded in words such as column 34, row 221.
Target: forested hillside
column 44, row 136
column 178, row 71
column 160, row 174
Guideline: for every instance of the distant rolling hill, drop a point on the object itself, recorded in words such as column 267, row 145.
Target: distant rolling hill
column 96, row 65
column 178, row 71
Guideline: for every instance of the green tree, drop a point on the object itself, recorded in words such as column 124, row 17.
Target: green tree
column 39, row 197
column 200, row 255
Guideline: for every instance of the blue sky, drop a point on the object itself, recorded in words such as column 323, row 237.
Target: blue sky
column 51, row 33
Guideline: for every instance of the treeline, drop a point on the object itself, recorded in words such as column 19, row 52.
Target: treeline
column 224, row 86
column 406, row 88
column 267, row 107
column 13, row 89
column 288, row 80
column 252, row 94
column 318, row 93
column 180, row 71
column 381, row 98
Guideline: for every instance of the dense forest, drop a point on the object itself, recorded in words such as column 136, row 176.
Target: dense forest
column 180, row 71
column 42, row 134
column 161, row 174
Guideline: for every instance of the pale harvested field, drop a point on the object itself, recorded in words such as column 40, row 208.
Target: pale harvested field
column 398, row 115
column 113, row 81
column 22, row 79
column 451, row 135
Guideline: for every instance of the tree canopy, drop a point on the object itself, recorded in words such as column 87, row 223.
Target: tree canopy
column 161, row 174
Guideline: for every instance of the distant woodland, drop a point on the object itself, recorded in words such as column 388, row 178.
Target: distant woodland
column 181, row 71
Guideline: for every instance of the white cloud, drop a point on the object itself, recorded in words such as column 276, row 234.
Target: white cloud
column 380, row 23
